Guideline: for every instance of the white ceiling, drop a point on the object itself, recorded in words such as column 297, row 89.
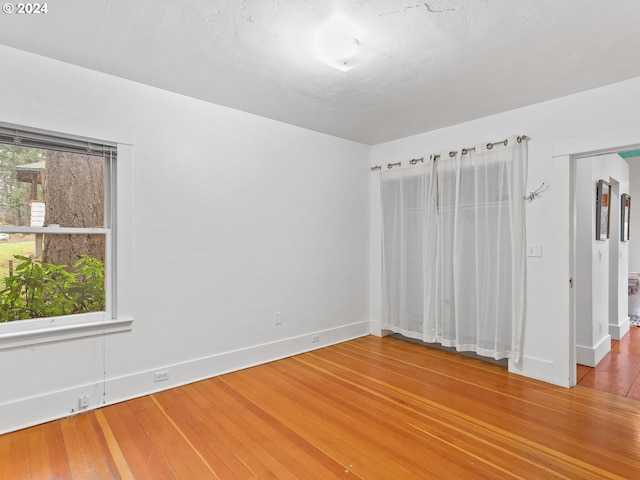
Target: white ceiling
column 431, row 64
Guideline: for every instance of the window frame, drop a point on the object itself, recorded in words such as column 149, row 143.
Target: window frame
column 27, row 332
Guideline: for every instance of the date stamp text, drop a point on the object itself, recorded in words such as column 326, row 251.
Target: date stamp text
column 25, row 8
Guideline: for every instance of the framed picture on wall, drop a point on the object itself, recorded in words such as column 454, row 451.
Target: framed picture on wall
column 625, row 216
column 603, row 208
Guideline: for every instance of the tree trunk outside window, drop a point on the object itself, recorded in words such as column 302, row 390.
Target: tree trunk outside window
column 74, row 197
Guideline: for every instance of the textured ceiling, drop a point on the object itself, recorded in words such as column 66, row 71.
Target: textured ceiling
column 430, row 64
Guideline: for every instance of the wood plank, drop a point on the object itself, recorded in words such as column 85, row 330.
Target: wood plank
column 538, row 405
column 440, row 427
column 5, row 454
column 138, row 449
column 303, row 459
column 19, row 455
column 205, row 436
column 374, row 408
column 491, row 414
column 114, row 448
column 350, row 437
column 177, row 450
column 86, row 448
column 417, row 424
column 47, row 453
column 236, row 448
column 244, row 437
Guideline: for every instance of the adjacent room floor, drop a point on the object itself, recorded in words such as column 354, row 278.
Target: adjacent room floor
column 619, row 370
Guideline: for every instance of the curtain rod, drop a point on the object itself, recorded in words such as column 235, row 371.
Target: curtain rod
column 464, row 151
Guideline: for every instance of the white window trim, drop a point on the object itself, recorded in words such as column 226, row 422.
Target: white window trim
column 55, row 230
column 24, row 333
column 21, row 333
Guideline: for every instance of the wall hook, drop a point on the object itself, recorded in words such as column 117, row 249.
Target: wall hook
column 536, row 193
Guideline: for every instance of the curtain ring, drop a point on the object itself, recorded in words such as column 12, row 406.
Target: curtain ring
column 464, row 151
column 506, row 141
column 452, row 154
column 489, row 146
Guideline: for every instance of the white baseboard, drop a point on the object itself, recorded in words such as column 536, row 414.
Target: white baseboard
column 619, row 331
column 591, row 356
column 27, row 412
column 375, row 329
column 531, row 367
column 536, row 368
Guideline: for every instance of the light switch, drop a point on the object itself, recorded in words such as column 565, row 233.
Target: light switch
column 534, row 250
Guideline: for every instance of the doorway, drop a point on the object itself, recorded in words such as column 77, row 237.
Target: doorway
column 601, row 258
column 599, row 265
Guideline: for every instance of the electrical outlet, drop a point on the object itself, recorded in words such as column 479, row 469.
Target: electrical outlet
column 278, row 318
column 83, row 401
column 161, row 376
column 315, row 339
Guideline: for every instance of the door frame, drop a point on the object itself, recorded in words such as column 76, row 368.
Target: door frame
column 566, row 153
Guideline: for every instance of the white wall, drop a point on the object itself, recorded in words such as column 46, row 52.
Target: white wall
column 585, row 249
column 601, row 265
column 578, row 123
column 618, row 318
column 634, row 227
column 235, row 217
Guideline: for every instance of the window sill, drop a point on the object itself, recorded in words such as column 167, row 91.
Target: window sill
column 24, row 333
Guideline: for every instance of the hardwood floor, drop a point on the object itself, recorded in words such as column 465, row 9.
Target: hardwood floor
column 619, row 371
column 371, row 408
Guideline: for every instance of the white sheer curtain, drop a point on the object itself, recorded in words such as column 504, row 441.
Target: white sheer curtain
column 454, row 250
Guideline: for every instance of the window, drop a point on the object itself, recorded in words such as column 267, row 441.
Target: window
column 57, row 224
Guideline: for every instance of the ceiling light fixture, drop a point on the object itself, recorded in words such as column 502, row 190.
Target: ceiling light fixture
column 337, row 43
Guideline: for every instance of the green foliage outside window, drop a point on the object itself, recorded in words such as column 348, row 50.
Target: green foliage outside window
column 38, row 289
